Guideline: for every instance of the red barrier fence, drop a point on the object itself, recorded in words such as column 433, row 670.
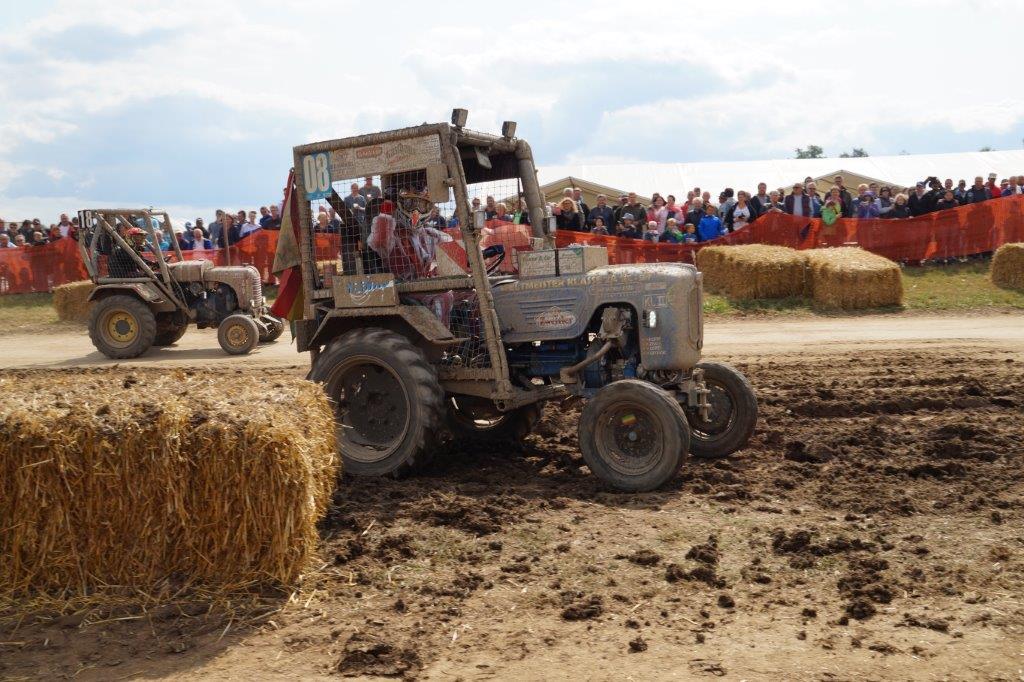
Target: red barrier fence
column 962, row 231
column 40, row 268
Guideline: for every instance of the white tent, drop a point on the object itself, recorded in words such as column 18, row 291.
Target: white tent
column 678, row 178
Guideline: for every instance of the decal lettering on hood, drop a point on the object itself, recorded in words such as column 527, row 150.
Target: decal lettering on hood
column 555, row 318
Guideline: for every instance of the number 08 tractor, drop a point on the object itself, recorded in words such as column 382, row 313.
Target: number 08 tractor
column 418, row 326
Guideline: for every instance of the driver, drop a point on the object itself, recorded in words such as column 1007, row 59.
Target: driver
column 408, row 249
column 121, row 263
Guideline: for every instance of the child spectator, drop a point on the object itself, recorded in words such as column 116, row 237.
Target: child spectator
column 672, row 234
column 629, row 229
column 599, row 226
column 652, row 234
column 710, row 226
column 690, row 236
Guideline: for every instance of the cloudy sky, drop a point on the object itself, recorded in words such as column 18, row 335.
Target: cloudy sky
column 194, row 104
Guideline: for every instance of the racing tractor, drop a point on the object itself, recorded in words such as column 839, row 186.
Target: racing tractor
column 147, row 293
column 418, row 326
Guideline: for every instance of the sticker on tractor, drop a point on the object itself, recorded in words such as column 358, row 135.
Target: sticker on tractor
column 316, row 176
column 555, row 318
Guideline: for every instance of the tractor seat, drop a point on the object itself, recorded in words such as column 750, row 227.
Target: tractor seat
column 189, row 270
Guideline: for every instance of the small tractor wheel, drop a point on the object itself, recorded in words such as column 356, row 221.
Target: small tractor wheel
column 238, row 334
column 478, row 419
column 275, row 327
column 169, row 328
column 121, row 326
column 388, row 404
column 733, row 413
column 634, row 435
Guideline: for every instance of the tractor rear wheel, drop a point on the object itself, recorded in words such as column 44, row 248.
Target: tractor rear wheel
column 121, row 326
column 478, row 419
column 169, row 328
column 238, row 334
column 634, row 435
column 733, row 413
column 388, row 404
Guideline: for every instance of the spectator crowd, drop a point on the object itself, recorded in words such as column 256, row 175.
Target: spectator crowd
column 661, row 219
column 699, row 218
column 223, row 229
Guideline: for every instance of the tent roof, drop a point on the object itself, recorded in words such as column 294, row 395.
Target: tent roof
column 678, row 178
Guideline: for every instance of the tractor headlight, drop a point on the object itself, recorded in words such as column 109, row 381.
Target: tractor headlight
column 652, row 319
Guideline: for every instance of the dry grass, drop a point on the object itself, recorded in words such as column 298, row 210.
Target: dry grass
column 1008, row 267
column 159, row 481
column 853, row 279
column 753, row 271
column 71, row 301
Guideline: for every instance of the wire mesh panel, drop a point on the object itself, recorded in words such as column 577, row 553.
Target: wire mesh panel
column 115, row 258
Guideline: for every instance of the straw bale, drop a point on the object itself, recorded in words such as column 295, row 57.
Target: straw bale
column 851, row 278
column 1008, row 267
column 71, row 301
column 157, row 480
column 753, row 271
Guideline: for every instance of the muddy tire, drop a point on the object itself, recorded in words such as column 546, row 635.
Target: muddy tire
column 733, row 413
column 169, row 329
column 388, row 404
column 634, row 435
column 121, row 326
column 238, row 334
column 478, row 419
column 275, row 328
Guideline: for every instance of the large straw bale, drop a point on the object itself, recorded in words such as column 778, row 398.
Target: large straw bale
column 1008, row 267
column 851, row 278
column 71, row 301
column 753, row 271
column 152, row 480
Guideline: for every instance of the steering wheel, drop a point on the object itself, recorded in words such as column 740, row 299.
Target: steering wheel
column 497, row 251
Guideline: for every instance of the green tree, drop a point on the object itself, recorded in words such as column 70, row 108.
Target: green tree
column 986, row 148
column 857, row 153
column 813, row 151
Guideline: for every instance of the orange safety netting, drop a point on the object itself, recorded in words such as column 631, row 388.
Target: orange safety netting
column 963, row 231
column 40, row 268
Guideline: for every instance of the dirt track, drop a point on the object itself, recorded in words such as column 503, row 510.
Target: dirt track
column 871, row 530
column 70, row 345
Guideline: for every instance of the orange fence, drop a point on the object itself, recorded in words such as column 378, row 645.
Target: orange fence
column 963, row 231
column 40, row 268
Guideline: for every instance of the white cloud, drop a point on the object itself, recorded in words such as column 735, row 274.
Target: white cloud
column 587, row 82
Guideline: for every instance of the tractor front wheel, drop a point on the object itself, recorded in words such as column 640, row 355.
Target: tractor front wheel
column 121, row 326
column 275, row 327
column 238, row 334
column 732, row 417
column 634, row 435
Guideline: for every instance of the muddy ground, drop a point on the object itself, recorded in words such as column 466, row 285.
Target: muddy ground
column 872, row 530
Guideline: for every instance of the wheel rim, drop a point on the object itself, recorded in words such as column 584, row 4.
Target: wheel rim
column 721, row 413
column 629, row 438
column 238, row 336
column 371, row 409
column 120, row 327
column 480, row 415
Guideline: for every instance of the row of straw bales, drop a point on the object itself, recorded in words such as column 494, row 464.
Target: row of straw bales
column 848, row 278
column 1008, row 267
column 139, row 479
column 71, row 301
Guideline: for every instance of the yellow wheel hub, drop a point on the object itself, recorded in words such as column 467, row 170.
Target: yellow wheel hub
column 122, row 327
column 238, row 335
